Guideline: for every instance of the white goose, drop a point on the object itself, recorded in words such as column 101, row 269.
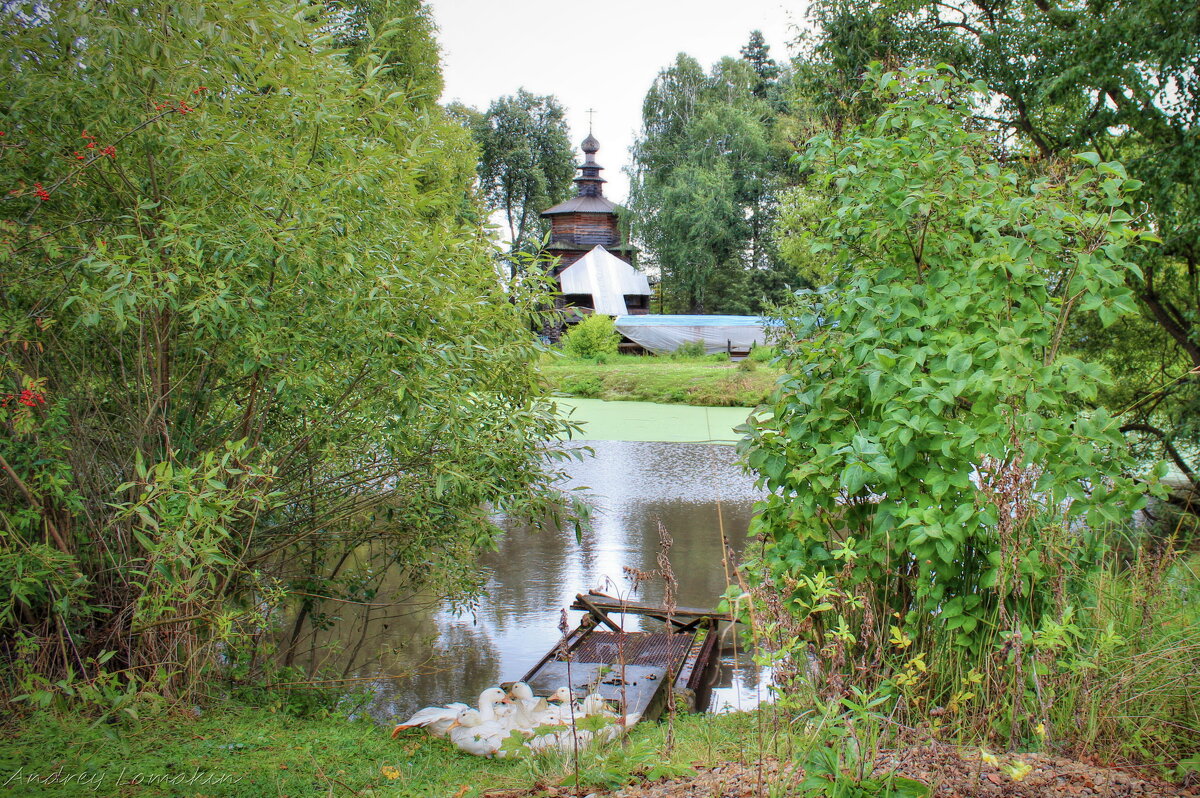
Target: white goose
column 438, row 720
column 476, row 736
column 576, row 731
column 596, row 704
column 570, row 737
column 529, row 712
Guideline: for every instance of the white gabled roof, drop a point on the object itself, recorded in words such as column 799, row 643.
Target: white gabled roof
column 606, row 278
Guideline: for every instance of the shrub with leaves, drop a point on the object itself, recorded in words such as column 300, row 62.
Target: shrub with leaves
column 930, row 467
column 252, row 346
column 595, row 336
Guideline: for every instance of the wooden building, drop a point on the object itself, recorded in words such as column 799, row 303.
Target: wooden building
column 588, row 219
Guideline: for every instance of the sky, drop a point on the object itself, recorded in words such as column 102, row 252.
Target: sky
column 601, row 54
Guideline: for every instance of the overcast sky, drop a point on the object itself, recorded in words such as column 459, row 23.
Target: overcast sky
column 601, row 54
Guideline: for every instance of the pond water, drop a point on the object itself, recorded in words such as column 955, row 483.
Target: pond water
column 417, row 654
column 652, row 422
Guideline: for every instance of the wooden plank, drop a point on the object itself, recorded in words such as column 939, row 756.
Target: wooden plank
column 642, row 684
column 608, row 603
column 648, row 674
column 597, row 613
column 692, row 660
column 704, row 658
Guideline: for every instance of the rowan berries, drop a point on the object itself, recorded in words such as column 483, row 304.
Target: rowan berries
column 31, row 398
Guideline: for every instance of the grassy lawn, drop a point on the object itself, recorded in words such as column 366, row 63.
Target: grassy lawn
column 238, row 751
column 710, row 381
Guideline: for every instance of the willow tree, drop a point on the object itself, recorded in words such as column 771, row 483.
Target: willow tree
column 701, row 183
column 249, row 348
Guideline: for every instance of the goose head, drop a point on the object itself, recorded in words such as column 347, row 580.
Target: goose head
column 561, row 695
column 594, row 704
column 466, row 717
column 521, row 691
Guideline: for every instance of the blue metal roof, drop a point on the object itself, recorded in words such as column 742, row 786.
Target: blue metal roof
column 669, row 320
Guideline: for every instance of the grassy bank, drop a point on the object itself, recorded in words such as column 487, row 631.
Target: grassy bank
column 240, row 752
column 253, row 752
column 711, row 381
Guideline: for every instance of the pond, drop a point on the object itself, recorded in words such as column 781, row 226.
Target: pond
column 415, row 654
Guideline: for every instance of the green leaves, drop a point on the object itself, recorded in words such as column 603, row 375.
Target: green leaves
column 701, row 188
column 935, row 420
column 274, row 333
column 526, row 163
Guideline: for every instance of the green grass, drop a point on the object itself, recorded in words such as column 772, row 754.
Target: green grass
column 239, row 751
column 708, row 381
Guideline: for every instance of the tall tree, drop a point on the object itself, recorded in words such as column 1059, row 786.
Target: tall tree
column 246, row 338
column 1118, row 77
column 847, row 36
column 526, row 164
column 702, row 168
column 395, row 35
column 757, row 53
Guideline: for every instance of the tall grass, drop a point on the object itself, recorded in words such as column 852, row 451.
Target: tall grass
column 1112, row 669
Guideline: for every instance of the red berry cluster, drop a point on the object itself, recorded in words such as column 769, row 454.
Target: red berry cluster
column 31, row 398
column 110, row 150
column 181, row 106
column 40, row 192
column 91, row 145
column 26, row 397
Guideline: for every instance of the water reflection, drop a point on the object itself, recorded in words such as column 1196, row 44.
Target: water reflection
column 424, row 654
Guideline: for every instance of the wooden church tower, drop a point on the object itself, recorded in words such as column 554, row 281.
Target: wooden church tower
column 587, row 219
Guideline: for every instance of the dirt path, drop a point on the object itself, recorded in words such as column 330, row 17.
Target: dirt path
column 953, row 775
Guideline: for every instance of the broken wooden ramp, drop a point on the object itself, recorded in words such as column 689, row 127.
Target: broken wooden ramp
column 636, row 670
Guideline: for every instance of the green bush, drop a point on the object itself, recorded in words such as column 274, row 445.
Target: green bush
column 933, row 465
column 587, row 387
column 168, row 481
column 689, row 350
column 593, row 337
column 762, row 354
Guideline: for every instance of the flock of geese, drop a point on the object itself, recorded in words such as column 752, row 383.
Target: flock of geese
column 507, row 724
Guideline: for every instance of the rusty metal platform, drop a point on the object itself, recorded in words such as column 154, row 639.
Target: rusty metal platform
column 629, row 668
column 633, row 648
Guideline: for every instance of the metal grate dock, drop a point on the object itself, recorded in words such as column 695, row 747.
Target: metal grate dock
column 645, row 649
